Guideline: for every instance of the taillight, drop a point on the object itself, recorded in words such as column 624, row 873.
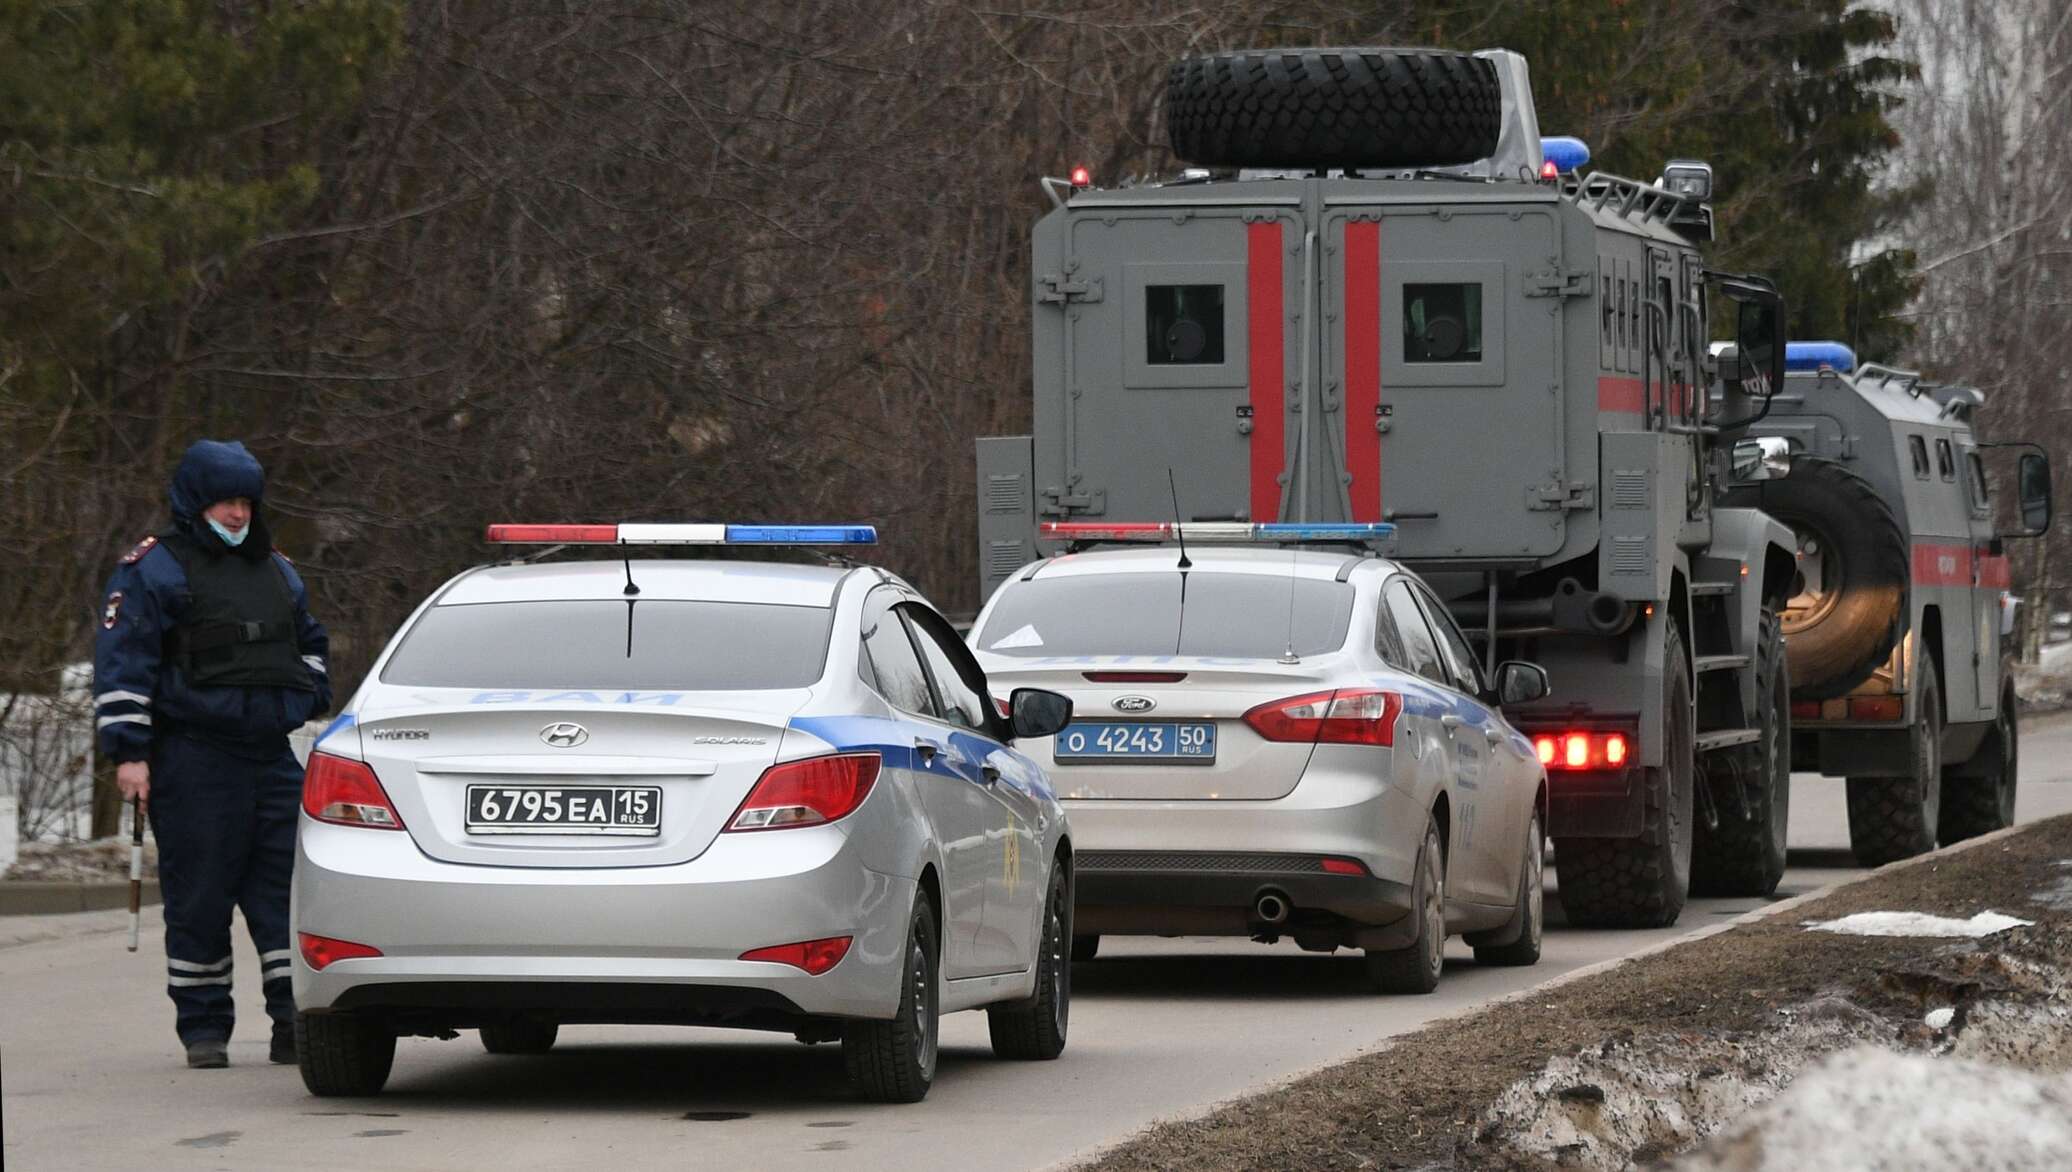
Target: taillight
column 1347, row 716
column 346, row 793
column 808, row 792
column 814, row 956
column 1583, row 750
column 318, row 952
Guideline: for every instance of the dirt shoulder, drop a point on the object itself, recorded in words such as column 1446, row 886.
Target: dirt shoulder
column 1632, row 1063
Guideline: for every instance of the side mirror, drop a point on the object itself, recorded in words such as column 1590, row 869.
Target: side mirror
column 1760, row 348
column 1519, row 682
column 1764, row 457
column 1038, row 713
column 2032, row 490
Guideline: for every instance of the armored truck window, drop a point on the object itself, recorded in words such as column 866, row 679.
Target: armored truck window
column 1918, row 447
column 1981, row 492
column 1442, row 323
column 1183, row 325
column 1945, row 463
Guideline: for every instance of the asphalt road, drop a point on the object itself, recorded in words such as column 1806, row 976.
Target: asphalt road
column 91, row 1077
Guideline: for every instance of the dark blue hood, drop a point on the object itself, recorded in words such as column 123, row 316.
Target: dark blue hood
column 211, row 471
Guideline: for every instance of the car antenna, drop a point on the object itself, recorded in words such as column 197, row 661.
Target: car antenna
column 1179, row 530
column 1289, row 655
column 627, row 561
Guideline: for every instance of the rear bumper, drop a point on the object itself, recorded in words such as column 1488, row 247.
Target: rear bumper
column 1123, row 891
column 631, row 944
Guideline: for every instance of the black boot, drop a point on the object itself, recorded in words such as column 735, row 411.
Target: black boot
column 208, row 1053
column 282, row 1049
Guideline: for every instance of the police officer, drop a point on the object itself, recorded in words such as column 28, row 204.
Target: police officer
column 206, row 659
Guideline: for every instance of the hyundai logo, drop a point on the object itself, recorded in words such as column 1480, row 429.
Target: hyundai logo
column 565, row 734
column 1134, row 704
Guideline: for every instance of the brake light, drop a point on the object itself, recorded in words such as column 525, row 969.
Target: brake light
column 1583, row 750
column 346, row 793
column 319, row 952
column 1347, row 716
column 1134, row 677
column 814, row 956
column 808, row 792
column 1334, row 865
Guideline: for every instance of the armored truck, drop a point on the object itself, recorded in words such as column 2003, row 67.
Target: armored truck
column 1376, row 296
column 1900, row 671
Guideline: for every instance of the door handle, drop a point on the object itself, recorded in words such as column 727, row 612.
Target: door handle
column 927, row 748
column 991, row 774
column 1450, row 720
column 1494, row 737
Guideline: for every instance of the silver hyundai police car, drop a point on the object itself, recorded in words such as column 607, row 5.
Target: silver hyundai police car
column 1276, row 740
column 675, row 791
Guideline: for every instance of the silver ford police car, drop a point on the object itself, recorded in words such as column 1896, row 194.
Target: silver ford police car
column 1278, row 739
column 676, row 791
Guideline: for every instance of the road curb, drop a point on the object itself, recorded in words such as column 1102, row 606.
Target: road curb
column 1753, row 915
column 50, row 897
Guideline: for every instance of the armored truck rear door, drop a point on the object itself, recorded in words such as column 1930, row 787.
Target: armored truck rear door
column 1441, row 358
column 1179, row 351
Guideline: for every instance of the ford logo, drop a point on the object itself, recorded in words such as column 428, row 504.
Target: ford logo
column 566, row 734
column 1134, row 704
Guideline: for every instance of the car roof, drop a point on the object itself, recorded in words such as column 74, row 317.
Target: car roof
column 777, row 583
column 1299, row 561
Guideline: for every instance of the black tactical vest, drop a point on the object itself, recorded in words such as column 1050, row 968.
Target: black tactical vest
column 239, row 627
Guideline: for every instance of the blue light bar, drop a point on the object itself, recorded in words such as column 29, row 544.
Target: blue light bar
column 802, row 535
column 1325, row 530
column 1812, row 356
column 1564, row 151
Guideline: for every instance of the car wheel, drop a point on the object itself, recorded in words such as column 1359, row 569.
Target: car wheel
column 1415, row 967
column 519, row 1035
column 1036, row 1028
column 343, row 1055
column 1085, row 947
column 1530, row 915
column 894, row 1061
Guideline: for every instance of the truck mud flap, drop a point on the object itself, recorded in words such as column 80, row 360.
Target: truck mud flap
column 1595, row 806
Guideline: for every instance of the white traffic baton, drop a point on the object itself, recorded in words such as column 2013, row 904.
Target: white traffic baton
column 136, row 867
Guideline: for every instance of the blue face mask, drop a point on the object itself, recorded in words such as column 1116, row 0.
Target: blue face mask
column 231, row 538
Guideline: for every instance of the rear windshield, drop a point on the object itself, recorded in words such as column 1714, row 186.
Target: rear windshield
column 1237, row 616
column 590, row 645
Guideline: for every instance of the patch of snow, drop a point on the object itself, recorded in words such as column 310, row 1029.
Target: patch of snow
column 1939, row 1019
column 1871, row 1108
column 1917, row 924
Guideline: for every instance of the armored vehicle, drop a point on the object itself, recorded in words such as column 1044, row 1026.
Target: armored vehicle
column 1376, row 298
column 1900, row 676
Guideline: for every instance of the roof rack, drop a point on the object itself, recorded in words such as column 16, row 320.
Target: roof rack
column 1630, row 199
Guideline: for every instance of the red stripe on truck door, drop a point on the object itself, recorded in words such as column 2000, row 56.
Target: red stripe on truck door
column 1363, row 366
column 1265, row 343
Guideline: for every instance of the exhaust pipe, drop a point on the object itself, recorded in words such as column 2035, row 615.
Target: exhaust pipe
column 1271, row 908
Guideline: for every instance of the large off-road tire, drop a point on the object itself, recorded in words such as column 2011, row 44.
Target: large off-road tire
column 1415, row 967
column 342, row 1054
column 1898, row 817
column 1530, row 915
column 894, row 1061
column 519, row 1035
column 1978, row 796
column 1842, row 629
column 1642, row 882
column 1347, row 108
column 1036, row 1028
column 1744, row 855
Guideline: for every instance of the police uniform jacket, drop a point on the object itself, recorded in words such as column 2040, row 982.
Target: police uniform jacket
column 203, row 639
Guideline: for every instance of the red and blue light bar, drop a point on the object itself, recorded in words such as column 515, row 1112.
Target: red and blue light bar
column 682, row 534
column 1215, row 531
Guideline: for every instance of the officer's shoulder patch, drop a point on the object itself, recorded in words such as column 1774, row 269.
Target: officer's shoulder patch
column 142, row 547
column 112, row 611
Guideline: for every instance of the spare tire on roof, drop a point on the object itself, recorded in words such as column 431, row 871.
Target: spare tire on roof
column 1344, row 108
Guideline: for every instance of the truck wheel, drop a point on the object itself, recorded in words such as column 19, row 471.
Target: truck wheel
column 1978, row 796
column 1036, row 1028
column 1415, row 967
column 1745, row 856
column 1346, row 108
column 1854, row 563
column 1530, row 914
column 343, row 1055
column 894, row 1061
column 1896, row 817
column 1642, row 882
